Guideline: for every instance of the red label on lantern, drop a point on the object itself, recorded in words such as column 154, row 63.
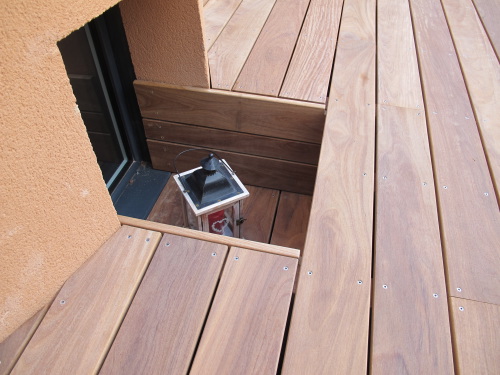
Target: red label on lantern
column 219, row 223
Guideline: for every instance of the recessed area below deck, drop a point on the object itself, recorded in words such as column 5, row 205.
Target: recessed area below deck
column 270, row 216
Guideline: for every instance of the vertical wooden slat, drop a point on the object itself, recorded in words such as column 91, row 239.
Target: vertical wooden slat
column 330, row 320
column 216, row 15
column 245, row 327
column 476, row 328
column 169, row 209
column 489, row 10
column 292, row 217
column 309, row 72
column 162, row 326
column 13, row 346
column 481, row 71
column 228, row 54
column 258, row 210
column 410, row 325
column 469, row 214
column 77, row 331
column 265, row 68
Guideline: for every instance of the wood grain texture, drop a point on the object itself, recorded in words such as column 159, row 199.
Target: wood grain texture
column 469, row 214
column 168, row 208
column 210, row 237
column 309, row 72
column 13, row 346
column 228, row 54
column 330, row 320
column 243, row 143
column 481, row 71
column 489, row 12
column 398, row 76
column 410, row 322
column 81, row 323
column 258, row 210
column 251, row 170
column 476, row 331
column 266, row 66
column 245, row 326
column 216, row 14
column 292, row 217
column 232, row 111
column 161, row 329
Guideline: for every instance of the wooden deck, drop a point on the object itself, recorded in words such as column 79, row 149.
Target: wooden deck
column 400, row 270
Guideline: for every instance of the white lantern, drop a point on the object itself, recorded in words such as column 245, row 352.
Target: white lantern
column 212, row 195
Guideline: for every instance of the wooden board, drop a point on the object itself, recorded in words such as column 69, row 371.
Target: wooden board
column 168, row 208
column 210, row 237
column 245, row 327
column 228, row 54
column 490, row 14
column 309, row 72
column 292, row 217
column 398, row 76
column 481, row 71
column 251, row 170
column 410, row 322
column 265, row 68
column 216, row 14
column 161, row 329
column 231, row 111
column 81, row 323
column 233, row 141
column 469, row 214
column 13, row 346
column 476, row 332
column 258, row 210
column 331, row 307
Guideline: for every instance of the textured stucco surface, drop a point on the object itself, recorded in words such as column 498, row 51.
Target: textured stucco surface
column 55, row 210
column 166, row 41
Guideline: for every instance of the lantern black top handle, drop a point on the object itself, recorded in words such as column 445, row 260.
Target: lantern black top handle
column 199, row 149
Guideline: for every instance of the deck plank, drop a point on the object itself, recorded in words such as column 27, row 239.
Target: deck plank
column 331, row 307
column 266, row 66
column 410, row 321
column 489, row 11
column 469, row 214
column 13, row 346
column 81, row 323
column 410, row 324
column 161, row 330
column 228, row 54
column 481, row 71
column 292, row 217
column 309, row 72
column 397, row 66
column 258, row 210
column 216, row 15
column 168, row 207
column 233, row 141
column 476, row 328
column 245, row 327
column 244, row 113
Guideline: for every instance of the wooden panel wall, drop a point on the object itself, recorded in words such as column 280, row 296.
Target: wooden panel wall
column 252, row 170
column 272, row 143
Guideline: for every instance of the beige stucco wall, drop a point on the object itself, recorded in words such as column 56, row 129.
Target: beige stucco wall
column 166, row 41
column 55, row 210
